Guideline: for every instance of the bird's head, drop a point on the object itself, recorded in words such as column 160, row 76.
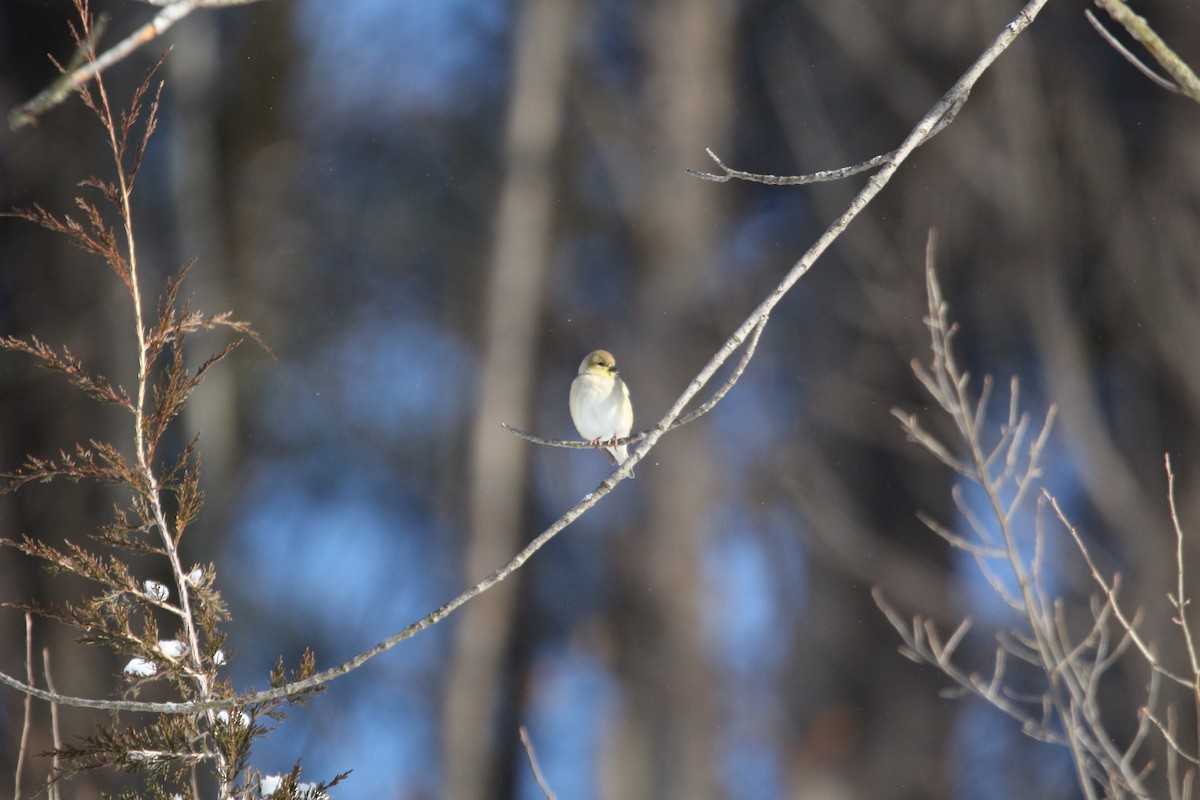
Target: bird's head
column 599, row 362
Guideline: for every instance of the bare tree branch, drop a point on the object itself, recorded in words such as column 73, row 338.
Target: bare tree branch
column 829, row 174
column 1115, row 44
column 1180, row 599
column 23, row 749
column 533, row 764
column 1185, row 80
column 1110, row 592
column 1066, row 710
column 56, row 736
column 788, row 180
column 76, row 73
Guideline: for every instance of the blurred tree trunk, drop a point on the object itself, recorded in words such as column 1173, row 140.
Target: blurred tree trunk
column 665, row 742
column 49, row 288
column 195, row 188
column 513, row 303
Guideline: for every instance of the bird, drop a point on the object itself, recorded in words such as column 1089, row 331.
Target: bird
column 600, row 406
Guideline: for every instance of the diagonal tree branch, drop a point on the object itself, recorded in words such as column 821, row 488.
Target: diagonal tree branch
column 928, row 125
column 76, row 73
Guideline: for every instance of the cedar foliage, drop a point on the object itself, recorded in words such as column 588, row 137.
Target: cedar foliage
column 171, row 634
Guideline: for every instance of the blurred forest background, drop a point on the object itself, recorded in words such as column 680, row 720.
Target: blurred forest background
column 433, row 209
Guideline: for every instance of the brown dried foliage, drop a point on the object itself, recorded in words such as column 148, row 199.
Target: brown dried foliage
column 126, row 614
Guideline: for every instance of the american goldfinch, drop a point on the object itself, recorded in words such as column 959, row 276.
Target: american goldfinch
column 600, row 406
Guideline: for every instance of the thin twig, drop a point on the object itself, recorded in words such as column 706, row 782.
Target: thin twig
column 1141, row 66
column 24, row 747
column 1110, row 592
column 1144, row 725
column 922, row 641
column 533, row 764
column 1181, row 599
column 1187, row 82
column 787, row 180
column 959, row 542
column 1168, row 735
column 824, row 176
column 56, row 736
